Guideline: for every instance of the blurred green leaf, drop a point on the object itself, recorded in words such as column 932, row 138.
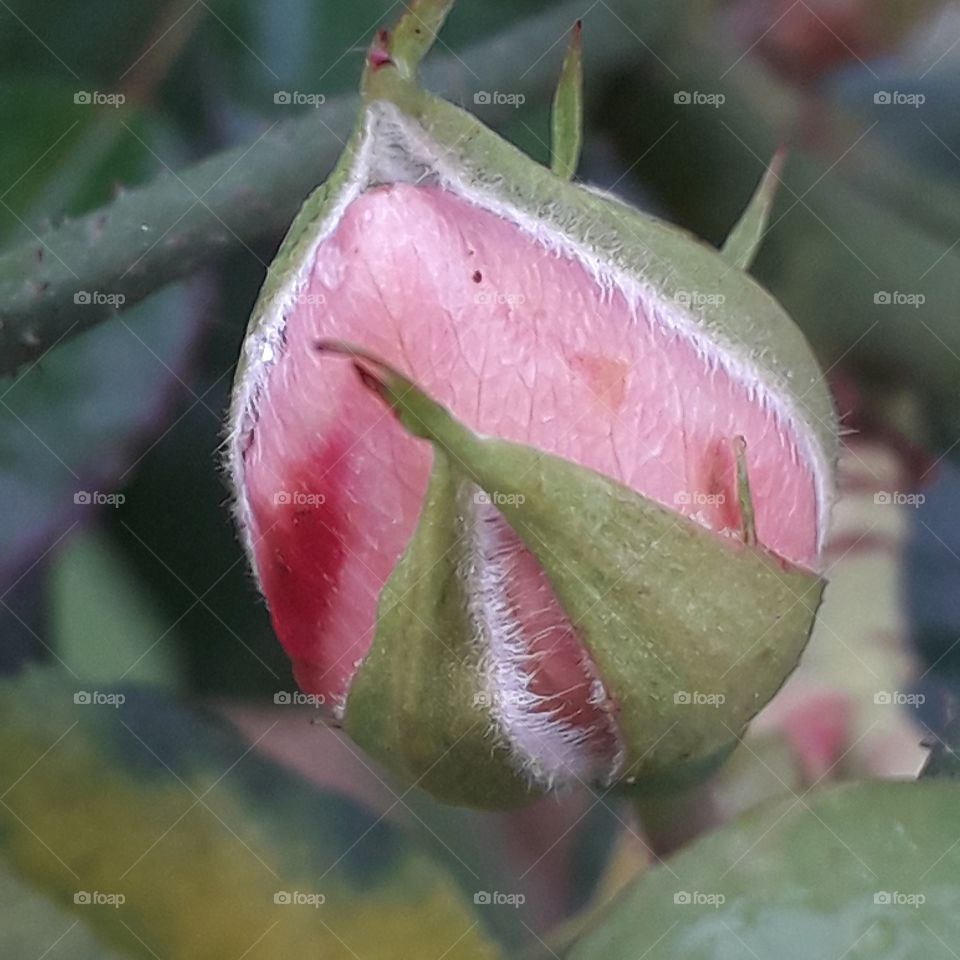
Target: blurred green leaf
column 70, row 426
column 35, row 927
column 859, row 871
column 104, row 626
column 207, row 851
column 849, row 248
column 73, row 40
column 201, row 580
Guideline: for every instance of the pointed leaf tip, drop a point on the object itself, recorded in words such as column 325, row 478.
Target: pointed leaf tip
column 422, row 416
column 744, row 241
column 567, row 115
column 374, row 373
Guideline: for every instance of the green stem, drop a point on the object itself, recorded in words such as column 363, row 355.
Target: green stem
column 671, row 820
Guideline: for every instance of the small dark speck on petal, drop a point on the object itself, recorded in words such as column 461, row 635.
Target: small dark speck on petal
column 477, row 276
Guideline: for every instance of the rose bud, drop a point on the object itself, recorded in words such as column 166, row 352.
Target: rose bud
column 557, row 514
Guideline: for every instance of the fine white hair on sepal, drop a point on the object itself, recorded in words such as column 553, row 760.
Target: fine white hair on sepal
column 546, row 751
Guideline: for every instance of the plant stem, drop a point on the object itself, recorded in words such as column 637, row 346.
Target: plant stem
column 670, row 820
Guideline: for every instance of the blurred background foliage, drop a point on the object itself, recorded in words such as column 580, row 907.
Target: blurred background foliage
column 152, row 593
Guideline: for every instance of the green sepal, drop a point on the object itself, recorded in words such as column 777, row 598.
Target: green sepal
column 567, row 112
column 670, row 612
column 743, row 244
column 419, row 702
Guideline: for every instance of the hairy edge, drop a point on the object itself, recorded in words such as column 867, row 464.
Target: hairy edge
column 547, row 751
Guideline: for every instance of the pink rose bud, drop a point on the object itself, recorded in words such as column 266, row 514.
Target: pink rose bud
column 534, row 485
